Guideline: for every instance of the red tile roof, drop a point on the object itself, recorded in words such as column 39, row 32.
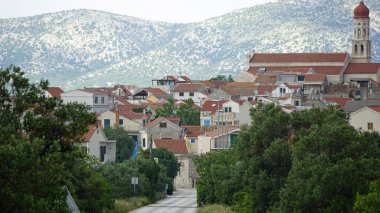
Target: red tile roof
column 194, row 131
column 156, row 121
column 254, row 70
column 155, row 91
column 315, row 78
column 212, row 105
column 340, row 101
column 362, row 68
column 327, row 70
column 264, row 89
column 91, row 130
column 175, row 146
column 187, row 79
column 376, row 108
column 188, row 87
column 298, row 57
column 271, row 79
column 55, row 91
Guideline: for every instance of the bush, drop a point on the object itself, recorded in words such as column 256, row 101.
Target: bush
column 127, row 205
column 215, row 209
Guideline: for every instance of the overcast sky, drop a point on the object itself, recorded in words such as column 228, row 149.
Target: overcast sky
column 155, row 10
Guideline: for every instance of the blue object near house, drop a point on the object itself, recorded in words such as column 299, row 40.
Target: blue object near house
column 135, row 150
column 206, row 122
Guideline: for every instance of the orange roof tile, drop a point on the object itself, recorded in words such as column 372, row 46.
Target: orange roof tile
column 188, row 87
column 212, row 105
column 315, row 78
column 156, row 91
column 55, row 91
column 298, row 57
column 327, row 70
column 264, row 89
column 91, row 130
column 376, row 108
column 194, row 131
column 265, row 78
column 340, row 101
column 360, row 68
column 175, row 146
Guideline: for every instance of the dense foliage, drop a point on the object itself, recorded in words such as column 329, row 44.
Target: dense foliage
column 222, row 78
column 152, row 176
column 124, row 143
column 186, row 111
column 170, row 162
column 38, row 152
column 309, row 161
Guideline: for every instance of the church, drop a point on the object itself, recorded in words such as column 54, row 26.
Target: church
column 354, row 70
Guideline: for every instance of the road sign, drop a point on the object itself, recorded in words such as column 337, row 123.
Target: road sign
column 135, row 180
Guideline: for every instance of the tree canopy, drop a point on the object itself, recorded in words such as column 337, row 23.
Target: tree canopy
column 187, row 111
column 309, row 161
column 38, row 152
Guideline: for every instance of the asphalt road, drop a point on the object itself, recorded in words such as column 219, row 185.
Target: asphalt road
column 182, row 201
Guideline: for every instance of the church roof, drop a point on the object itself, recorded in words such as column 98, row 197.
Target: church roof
column 361, row 11
column 298, row 57
column 362, row 68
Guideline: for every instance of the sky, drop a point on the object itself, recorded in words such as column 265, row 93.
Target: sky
column 175, row 11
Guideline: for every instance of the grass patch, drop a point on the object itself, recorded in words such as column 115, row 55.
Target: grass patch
column 126, row 205
column 215, row 208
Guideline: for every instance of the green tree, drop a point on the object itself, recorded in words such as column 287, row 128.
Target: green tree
column 170, row 162
column 219, row 177
column 189, row 114
column 124, row 143
column 222, row 78
column 38, row 151
column 168, row 110
column 265, row 155
column 369, row 202
column 332, row 162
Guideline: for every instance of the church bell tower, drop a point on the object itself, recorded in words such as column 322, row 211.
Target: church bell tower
column 361, row 44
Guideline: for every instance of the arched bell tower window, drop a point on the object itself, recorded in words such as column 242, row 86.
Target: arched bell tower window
column 364, row 32
column 356, row 48
column 362, row 48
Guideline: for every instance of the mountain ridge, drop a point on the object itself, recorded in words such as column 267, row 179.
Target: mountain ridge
column 80, row 48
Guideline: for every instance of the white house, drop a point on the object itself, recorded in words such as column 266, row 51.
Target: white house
column 97, row 100
column 197, row 92
column 219, row 139
column 97, row 144
column 367, row 118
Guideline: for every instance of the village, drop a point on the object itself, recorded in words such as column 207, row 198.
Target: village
column 295, row 82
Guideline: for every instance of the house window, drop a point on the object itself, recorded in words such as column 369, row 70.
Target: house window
column 250, row 98
column 192, row 140
column 206, row 123
column 296, row 103
column 102, row 100
column 301, row 78
column 370, row 126
column 282, row 90
column 121, row 122
column 191, row 94
column 163, row 125
column 227, row 109
column 96, row 100
column 107, row 123
column 181, row 94
column 144, row 143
